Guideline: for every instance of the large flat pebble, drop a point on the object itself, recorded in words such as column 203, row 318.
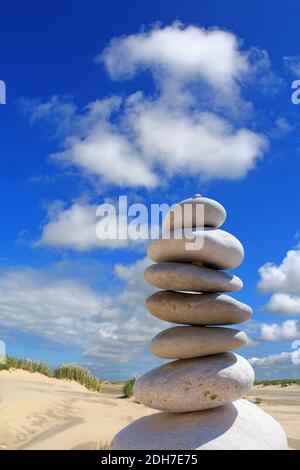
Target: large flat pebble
column 237, row 426
column 195, row 384
column 197, row 309
column 189, row 277
column 184, row 342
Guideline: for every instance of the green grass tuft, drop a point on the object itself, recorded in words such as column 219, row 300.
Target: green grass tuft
column 79, row 374
column 104, row 446
column 281, row 382
column 26, row 364
column 258, row 400
column 128, row 387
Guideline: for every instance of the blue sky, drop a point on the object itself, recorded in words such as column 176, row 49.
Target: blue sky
column 83, row 76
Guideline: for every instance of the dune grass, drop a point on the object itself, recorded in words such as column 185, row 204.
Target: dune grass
column 26, row 364
column 128, row 387
column 281, row 382
column 66, row 372
column 103, row 446
column 79, row 374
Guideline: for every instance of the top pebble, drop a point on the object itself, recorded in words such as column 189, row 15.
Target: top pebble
column 183, row 214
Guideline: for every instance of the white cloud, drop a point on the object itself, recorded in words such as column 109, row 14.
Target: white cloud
column 251, row 342
column 34, row 300
column 284, row 359
column 284, row 304
column 57, row 113
column 145, row 140
column 75, row 228
column 99, row 148
column 180, row 53
column 104, row 324
column 284, row 281
column 261, row 74
column 215, row 148
column 152, row 135
column 292, row 64
column 133, row 276
column 281, row 278
column 288, row 330
column 106, row 153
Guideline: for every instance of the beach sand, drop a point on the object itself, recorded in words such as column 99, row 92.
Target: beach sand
column 283, row 403
column 37, row 412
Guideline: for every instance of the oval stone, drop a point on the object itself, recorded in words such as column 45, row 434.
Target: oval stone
column 195, row 384
column 213, row 248
column 189, row 277
column 197, row 309
column 184, row 342
column 185, row 214
column 236, row 426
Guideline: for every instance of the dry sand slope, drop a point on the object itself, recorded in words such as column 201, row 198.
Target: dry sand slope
column 37, row 412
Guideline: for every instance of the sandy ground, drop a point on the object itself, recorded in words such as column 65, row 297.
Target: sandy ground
column 284, row 405
column 37, row 412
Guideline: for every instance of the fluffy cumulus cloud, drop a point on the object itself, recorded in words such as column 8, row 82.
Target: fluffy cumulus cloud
column 201, row 144
column 104, row 151
column 107, row 327
column 284, row 277
column 284, row 304
column 283, row 281
column 185, row 125
column 283, row 360
column 179, row 53
column 80, row 227
column 288, row 330
column 72, row 227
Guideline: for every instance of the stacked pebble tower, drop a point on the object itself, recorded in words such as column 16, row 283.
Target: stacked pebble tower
column 199, row 393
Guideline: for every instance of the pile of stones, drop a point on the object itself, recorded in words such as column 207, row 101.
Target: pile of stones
column 200, row 392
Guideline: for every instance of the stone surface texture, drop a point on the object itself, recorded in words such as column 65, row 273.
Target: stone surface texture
column 236, row 426
column 197, row 309
column 189, row 277
column 217, row 249
column 183, row 342
column 195, row 384
column 214, row 214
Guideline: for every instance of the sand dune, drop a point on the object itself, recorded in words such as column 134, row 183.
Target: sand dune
column 37, row 412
